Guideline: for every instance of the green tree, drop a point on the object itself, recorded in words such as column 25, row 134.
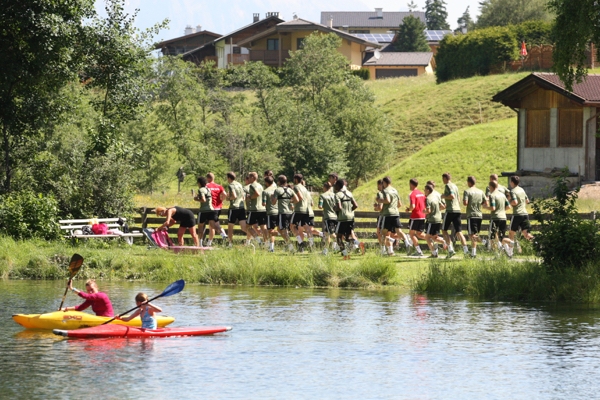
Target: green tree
column 577, row 24
column 412, row 6
column 436, row 15
column 512, row 12
column 465, row 21
column 411, row 36
column 39, row 54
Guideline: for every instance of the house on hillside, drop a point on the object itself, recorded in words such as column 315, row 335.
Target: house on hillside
column 192, row 39
column 225, row 50
column 363, row 22
column 556, row 129
column 383, row 64
column 272, row 46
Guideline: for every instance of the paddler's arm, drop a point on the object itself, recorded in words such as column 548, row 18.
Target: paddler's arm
column 129, row 317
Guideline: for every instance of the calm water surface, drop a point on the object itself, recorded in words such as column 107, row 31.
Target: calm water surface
column 307, row 344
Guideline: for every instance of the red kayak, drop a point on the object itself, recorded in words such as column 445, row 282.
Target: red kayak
column 104, row 331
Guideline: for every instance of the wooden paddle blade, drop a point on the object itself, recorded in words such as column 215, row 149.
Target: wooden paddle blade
column 75, row 265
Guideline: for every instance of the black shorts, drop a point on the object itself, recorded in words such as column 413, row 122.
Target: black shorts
column 454, row 219
column 329, row 226
column 272, row 221
column 299, row 219
column 474, row 225
column 344, row 228
column 210, row 215
column 236, row 215
column 520, row 222
column 257, row 217
column 390, row 223
column 311, row 221
column 433, row 228
column 416, row 225
column 284, row 221
column 498, row 228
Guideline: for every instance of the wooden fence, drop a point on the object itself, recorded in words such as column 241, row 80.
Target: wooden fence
column 365, row 223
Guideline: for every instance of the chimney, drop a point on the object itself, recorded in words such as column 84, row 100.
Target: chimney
column 379, row 12
column 189, row 30
column 198, row 28
column 273, row 14
column 330, row 21
column 255, row 17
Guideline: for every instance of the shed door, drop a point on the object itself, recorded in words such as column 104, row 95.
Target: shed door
column 394, row 73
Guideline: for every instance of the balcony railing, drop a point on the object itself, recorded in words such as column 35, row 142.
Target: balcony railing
column 238, row 58
column 269, row 57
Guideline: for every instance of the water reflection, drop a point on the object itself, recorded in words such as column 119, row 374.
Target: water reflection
column 314, row 343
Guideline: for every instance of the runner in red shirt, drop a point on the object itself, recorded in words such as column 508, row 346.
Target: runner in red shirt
column 416, row 224
column 218, row 195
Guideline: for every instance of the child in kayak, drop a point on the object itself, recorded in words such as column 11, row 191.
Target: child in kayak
column 145, row 310
column 99, row 301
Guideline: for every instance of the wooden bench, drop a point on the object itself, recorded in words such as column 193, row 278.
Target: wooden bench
column 72, row 225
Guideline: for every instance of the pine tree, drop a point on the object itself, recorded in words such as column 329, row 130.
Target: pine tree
column 412, row 6
column 436, row 15
column 465, row 21
column 411, row 36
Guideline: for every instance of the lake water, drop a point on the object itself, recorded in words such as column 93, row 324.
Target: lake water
column 307, row 344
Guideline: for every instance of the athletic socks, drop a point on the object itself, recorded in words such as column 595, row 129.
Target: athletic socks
column 311, row 241
column 473, row 251
column 466, row 249
column 336, row 247
column 450, row 247
column 208, row 243
column 407, row 243
column 299, row 239
column 390, row 249
column 272, row 246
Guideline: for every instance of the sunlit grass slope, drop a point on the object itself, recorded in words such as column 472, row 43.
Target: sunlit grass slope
column 422, row 111
column 477, row 150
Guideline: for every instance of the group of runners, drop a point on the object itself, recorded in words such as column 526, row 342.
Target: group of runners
column 278, row 208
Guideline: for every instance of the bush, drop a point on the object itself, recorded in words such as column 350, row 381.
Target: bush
column 25, row 215
column 362, row 73
column 565, row 240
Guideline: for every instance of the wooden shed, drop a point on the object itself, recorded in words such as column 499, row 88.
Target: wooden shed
column 556, row 129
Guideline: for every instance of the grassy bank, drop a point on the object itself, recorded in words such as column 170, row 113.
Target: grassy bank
column 240, row 266
column 514, row 281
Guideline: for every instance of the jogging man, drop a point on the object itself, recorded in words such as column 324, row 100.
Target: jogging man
column 452, row 214
column 520, row 219
column 327, row 203
column 237, row 211
column 218, row 195
column 502, row 189
column 416, row 223
column 498, row 204
column 257, row 213
column 378, row 206
column 301, row 200
column 473, row 198
column 390, row 214
column 345, row 206
column 433, row 211
column 271, row 211
column 283, row 198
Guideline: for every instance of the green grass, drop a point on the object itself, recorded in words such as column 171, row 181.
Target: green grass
column 477, row 150
column 422, row 111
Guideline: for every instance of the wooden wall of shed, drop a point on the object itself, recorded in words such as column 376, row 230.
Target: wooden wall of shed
column 543, row 99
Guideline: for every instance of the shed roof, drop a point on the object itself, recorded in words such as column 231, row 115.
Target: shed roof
column 586, row 93
column 398, row 59
column 368, row 19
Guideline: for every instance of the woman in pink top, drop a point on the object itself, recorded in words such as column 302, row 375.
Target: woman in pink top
column 99, row 301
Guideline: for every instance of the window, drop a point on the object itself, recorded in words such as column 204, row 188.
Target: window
column 237, row 50
column 299, row 43
column 272, row 44
column 538, row 128
column 359, row 31
column 570, row 127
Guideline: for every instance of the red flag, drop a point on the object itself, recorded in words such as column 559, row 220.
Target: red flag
column 523, row 50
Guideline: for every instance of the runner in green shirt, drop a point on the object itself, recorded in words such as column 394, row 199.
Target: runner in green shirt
column 283, row 198
column 237, row 212
column 300, row 219
column 257, row 213
column 327, row 204
column 378, row 206
column 272, row 211
column 497, row 204
column 473, row 198
column 391, row 215
column 433, row 216
column 207, row 213
column 452, row 214
column 520, row 219
column 345, row 206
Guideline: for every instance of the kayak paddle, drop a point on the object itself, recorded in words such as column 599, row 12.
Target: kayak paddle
column 74, row 266
column 172, row 289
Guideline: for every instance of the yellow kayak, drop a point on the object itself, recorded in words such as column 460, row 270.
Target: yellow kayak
column 76, row 319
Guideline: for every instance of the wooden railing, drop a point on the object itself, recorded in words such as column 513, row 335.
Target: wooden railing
column 238, row 58
column 269, row 57
column 365, row 223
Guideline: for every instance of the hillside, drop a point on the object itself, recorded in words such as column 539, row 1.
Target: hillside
column 420, row 111
column 477, row 150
